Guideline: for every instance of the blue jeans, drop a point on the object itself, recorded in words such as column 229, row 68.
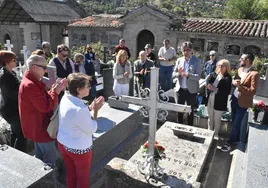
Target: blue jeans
column 165, row 77
column 93, row 92
column 237, row 116
column 46, row 152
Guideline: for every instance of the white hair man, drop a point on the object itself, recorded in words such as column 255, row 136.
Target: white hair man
column 141, row 71
column 36, row 107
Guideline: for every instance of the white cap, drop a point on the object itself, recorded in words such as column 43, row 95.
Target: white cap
column 212, row 52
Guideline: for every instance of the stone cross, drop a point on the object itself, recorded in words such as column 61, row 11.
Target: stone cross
column 8, row 45
column 156, row 105
column 26, row 53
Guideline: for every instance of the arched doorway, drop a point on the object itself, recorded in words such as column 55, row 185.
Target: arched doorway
column 144, row 37
column 7, row 37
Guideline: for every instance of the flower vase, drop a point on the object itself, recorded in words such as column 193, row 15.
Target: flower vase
column 255, row 116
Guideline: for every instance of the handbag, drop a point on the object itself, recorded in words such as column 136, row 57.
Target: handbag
column 53, row 126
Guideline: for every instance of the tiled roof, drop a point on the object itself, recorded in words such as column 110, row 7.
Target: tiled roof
column 39, row 11
column 101, row 20
column 249, row 28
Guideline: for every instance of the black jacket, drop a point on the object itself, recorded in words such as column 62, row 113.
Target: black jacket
column 224, row 89
column 9, row 86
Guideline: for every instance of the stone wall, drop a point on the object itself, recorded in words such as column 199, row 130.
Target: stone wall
column 109, row 37
column 16, row 37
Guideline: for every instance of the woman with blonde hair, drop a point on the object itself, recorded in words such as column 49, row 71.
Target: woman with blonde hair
column 122, row 73
column 219, row 85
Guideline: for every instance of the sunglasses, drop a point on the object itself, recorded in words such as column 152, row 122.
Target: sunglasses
column 44, row 67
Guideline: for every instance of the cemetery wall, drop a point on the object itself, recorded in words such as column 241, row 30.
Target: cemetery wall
column 32, row 37
column 16, row 37
column 109, row 37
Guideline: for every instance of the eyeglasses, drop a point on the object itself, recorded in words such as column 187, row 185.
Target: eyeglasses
column 221, row 66
column 44, row 67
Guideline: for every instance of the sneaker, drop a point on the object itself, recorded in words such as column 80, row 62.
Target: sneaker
column 226, row 147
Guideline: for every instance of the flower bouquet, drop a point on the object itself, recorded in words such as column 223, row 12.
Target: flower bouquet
column 257, row 108
column 159, row 151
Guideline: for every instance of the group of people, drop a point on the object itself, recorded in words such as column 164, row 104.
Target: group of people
column 28, row 105
column 186, row 71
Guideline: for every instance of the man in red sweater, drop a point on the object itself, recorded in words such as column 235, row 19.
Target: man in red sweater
column 36, row 108
column 121, row 46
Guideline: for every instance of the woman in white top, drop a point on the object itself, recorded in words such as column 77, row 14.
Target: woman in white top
column 76, row 127
column 122, row 73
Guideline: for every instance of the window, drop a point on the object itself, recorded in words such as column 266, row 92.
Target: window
column 213, row 46
column 83, row 38
column 94, row 37
column 233, row 50
column 114, row 39
column 252, row 50
column 198, row 44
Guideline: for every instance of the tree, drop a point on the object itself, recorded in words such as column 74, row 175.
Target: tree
column 246, row 9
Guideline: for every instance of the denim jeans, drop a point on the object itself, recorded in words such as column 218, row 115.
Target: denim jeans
column 165, row 77
column 238, row 114
column 93, row 92
column 46, row 152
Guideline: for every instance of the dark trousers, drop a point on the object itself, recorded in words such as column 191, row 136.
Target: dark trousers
column 238, row 114
column 190, row 98
column 17, row 138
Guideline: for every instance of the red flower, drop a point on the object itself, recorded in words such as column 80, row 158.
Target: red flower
column 146, row 145
column 161, row 148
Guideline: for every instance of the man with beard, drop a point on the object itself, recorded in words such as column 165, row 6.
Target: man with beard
column 246, row 82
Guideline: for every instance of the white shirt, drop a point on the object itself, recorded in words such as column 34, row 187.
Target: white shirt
column 169, row 53
column 185, row 69
column 242, row 76
column 82, row 68
column 76, row 126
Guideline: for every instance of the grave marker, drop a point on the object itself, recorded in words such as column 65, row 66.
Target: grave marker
column 26, row 53
column 185, row 159
column 8, row 45
column 155, row 107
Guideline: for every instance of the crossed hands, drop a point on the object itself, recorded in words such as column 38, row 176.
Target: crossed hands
column 211, row 87
column 143, row 72
column 126, row 74
column 182, row 73
column 59, row 85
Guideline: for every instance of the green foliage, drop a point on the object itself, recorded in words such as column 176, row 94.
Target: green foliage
column 97, row 48
column 1, row 46
column 189, row 8
column 246, row 9
column 259, row 65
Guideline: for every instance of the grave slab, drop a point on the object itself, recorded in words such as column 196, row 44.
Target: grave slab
column 21, row 170
column 183, row 165
column 257, row 164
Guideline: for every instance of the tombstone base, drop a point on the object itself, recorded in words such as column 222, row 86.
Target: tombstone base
column 115, row 102
column 122, row 174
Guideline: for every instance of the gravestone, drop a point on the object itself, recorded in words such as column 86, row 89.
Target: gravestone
column 185, row 159
column 8, row 45
column 26, row 53
column 21, row 170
